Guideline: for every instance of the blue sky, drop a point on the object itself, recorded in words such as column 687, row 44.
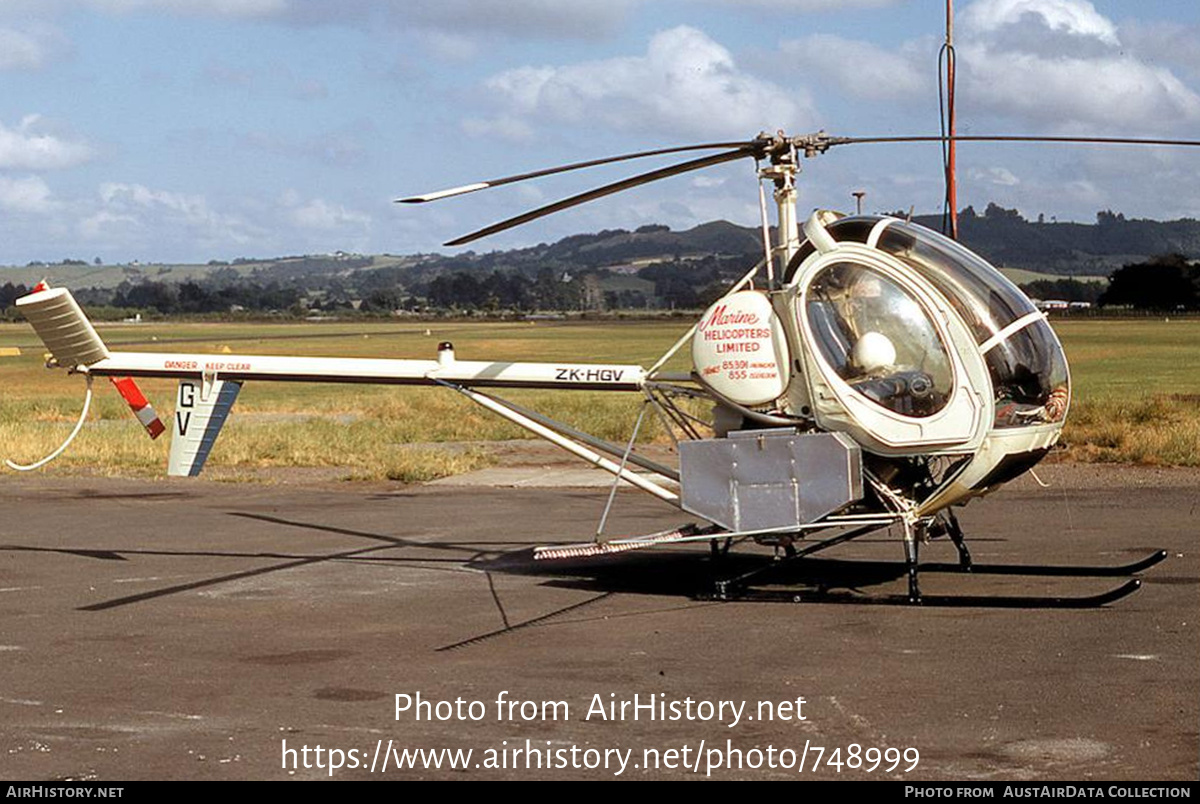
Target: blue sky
column 189, row 130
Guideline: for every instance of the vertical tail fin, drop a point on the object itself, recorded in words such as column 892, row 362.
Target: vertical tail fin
column 199, row 417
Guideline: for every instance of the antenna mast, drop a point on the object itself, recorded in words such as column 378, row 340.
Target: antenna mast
column 951, row 145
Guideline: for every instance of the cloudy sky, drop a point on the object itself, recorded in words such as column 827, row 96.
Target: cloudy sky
column 188, row 130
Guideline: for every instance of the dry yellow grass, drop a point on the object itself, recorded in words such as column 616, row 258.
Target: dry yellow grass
column 1156, row 430
column 368, row 430
column 1136, row 396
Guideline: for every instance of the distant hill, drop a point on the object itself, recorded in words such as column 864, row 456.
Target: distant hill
column 1008, row 240
column 649, row 266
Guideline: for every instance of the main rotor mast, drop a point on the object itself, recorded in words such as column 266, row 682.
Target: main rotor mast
column 782, row 168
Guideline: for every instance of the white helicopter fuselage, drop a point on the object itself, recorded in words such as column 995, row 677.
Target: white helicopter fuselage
column 903, row 340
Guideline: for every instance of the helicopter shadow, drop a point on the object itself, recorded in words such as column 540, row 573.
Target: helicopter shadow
column 692, row 574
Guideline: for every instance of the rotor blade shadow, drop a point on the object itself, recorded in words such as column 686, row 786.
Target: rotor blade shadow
column 541, row 618
column 395, row 541
column 124, row 554
column 389, row 543
column 233, row 576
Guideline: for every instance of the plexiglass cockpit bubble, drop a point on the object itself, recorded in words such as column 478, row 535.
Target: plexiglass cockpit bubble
column 879, row 339
column 1025, row 361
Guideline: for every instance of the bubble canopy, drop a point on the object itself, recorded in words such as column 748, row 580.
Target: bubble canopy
column 879, row 339
column 1025, row 362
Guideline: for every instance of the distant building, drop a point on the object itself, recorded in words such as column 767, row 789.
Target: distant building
column 1051, row 304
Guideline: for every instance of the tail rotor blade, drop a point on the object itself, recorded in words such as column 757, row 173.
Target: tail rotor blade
column 142, row 409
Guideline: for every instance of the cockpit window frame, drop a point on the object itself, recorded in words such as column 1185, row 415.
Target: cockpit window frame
column 991, row 331
column 937, row 374
column 959, row 424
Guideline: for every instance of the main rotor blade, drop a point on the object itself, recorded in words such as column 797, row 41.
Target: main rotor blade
column 483, row 185
column 744, row 149
column 1014, row 138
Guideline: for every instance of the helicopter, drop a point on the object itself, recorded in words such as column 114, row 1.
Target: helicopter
column 866, row 374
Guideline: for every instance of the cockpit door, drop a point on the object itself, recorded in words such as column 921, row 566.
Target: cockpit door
column 886, row 358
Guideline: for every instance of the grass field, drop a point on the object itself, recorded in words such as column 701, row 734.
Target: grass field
column 1136, row 390
column 1021, row 276
column 1136, row 394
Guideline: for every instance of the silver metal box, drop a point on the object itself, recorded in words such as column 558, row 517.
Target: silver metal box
column 768, row 479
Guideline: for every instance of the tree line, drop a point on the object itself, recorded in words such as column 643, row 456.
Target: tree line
column 1166, row 283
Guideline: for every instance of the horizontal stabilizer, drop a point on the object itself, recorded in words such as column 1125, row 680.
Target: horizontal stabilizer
column 200, row 412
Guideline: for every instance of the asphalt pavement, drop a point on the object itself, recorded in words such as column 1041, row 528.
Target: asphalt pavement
column 215, row 630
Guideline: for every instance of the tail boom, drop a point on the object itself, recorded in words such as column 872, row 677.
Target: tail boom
column 467, row 373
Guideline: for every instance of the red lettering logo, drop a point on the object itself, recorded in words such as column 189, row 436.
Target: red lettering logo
column 722, row 317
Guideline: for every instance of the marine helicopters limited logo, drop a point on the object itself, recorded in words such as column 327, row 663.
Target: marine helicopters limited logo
column 722, row 317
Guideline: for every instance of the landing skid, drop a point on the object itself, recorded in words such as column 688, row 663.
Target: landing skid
column 1060, row 571
column 742, row 587
column 960, row 601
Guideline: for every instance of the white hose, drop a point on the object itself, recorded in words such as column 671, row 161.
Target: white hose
column 87, row 403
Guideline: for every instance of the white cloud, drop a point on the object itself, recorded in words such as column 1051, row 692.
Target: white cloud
column 192, row 207
column 20, row 50
column 994, row 175
column 1047, row 65
column 1072, row 17
column 805, row 5
column 103, row 223
column 27, row 148
column 321, row 215
column 1114, row 94
column 860, row 68
column 578, row 19
column 1169, row 42
column 133, row 215
column 1059, row 63
column 28, row 194
column 504, row 126
column 128, row 220
column 218, row 8
column 1073, row 183
column 686, row 85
